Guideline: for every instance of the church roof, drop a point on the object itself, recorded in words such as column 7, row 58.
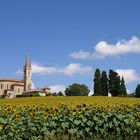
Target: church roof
column 27, row 62
column 17, row 85
column 11, row 80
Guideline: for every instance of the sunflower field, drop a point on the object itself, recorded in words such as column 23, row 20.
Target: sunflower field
column 70, row 118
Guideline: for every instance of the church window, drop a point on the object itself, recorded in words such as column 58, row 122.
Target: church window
column 28, row 72
column 1, row 86
column 18, row 90
column 7, row 86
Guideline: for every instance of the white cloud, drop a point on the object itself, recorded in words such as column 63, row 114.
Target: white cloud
column 68, row 70
column 57, row 88
column 36, row 68
column 129, row 75
column 73, row 68
column 80, row 54
column 128, row 91
column 33, row 86
column 104, row 49
column 109, row 94
column 90, row 93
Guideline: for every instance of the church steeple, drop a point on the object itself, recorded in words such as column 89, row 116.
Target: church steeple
column 27, row 62
column 27, row 74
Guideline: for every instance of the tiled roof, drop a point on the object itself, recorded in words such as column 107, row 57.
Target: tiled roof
column 11, row 80
column 17, row 85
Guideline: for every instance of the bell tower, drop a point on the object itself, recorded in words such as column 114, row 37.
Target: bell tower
column 27, row 74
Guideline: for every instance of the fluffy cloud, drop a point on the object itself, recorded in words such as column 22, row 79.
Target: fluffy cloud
column 69, row 70
column 90, row 93
column 73, row 68
column 104, row 49
column 36, row 68
column 57, row 88
column 129, row 75
column 80, row 55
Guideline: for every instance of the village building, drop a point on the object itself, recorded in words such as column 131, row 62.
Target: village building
column 10, row 88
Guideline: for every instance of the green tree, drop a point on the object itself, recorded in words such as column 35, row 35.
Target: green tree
column 114, row 83
column 54, row 94
column 123, row 91
column 48, row 94
column 137, row 91
column 60, row 93
column 77, row 90
column 104, row 84
column 97, row 83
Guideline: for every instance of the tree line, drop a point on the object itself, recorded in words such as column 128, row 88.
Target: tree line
column 113, row 84
column 103, row 85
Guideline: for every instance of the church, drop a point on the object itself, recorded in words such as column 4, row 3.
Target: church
column 10, row 88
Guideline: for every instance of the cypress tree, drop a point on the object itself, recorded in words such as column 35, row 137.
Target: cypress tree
column 123, row 91
column 104, row 84
column 137, row 91
column 114, row 83
column 97, row 83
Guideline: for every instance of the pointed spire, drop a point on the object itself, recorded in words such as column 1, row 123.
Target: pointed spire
column 27, row 62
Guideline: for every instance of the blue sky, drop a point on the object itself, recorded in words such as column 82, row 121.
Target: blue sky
column 68, row 40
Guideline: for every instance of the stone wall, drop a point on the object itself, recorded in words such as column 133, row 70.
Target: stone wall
column 6, row 85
